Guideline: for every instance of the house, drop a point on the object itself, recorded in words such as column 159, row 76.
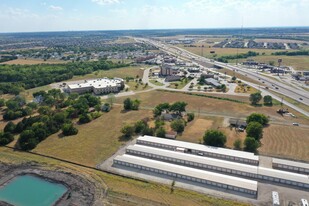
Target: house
column 169, row 117
column 171, row 134
column 238, row 123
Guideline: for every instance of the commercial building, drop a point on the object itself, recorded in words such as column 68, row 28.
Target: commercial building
column 199, row 149
column 206, row 178
column 97, row 86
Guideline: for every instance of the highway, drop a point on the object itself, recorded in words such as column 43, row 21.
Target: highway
column 294, row 93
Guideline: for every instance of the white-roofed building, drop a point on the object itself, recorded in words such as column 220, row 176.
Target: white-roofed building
column 97, row 86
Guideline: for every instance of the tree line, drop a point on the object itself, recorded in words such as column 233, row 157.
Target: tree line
column 226, row 58
column 292, row 53
column 15, row 78
column 53, row 111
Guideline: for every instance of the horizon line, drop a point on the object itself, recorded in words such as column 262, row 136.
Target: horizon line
column 109, row 30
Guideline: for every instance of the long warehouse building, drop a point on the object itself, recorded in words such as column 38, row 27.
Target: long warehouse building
column 206, row 178
column 221, row 166
column 199, row 149
column 292, row 166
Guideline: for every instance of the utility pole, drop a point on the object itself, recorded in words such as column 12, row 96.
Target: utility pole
column 279, row 64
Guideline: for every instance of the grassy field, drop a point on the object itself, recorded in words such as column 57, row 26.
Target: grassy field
column 131, row 71
column 34, row 61
column 28, row 93
column 297, row 62
column 286, row 141
column 134, row 86
column 245, row 90
column 95, row 141
column 239, row 76
column 155, row 82
column 180, row 84
column 209, row 105
column 196, row 129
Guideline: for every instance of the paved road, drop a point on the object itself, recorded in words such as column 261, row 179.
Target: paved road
column 282, row 88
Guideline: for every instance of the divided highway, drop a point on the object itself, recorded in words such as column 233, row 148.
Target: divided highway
column 294, row 93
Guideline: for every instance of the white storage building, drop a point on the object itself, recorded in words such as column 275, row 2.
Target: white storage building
column 199, row 149
column 291, row 166
column 221, row 166
column 224, row 182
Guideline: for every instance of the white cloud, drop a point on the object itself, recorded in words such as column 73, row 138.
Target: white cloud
column 106, row 2
column 55, row 8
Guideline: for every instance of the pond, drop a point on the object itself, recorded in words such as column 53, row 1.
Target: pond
column 28, row 190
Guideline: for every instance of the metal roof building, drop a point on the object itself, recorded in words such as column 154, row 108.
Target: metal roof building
column 292, row 166
column 220, row 166
column 199, row 162
column 186, row 173
column 215, row 152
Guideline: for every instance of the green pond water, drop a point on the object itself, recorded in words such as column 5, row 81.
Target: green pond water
column 27, row 190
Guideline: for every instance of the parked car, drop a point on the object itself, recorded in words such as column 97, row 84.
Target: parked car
column 295, row 124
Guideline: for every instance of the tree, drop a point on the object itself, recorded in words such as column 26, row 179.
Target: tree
column 135, row 104
column 251, row 145
column 237, row 144
column 223, row 88
column 68, row 129
column 9, row 127
column 2, row 102
column 178, row 107
column 178, row 125
column 214, row 138
column 84, row 118
column 190, row 117
column 27, row 140
column 128, row 131
column 160, row 132
column 159, row 108
column 255, row 98
column 234, row 78
column 127, row 104
column 5, row 138
column 256, row 117
column 139, row 126
column 268, row 100
column 255, row 130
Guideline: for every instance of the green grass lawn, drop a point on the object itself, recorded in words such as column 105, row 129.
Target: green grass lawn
column 131, row 72
column 155, row 82
column 178, row 84
column 134, row 86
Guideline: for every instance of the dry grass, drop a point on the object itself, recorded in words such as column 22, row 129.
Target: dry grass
column 196, row 129
column 239, row 76
column 123, row 187
column 286, row 141
column 297, row 62
column 279, row 40
column 245, row 90
column 95, row 141
column 34, row 61
column 124, row 72
column 209, row 105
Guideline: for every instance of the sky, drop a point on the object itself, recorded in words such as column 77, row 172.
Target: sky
column 75, row 15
